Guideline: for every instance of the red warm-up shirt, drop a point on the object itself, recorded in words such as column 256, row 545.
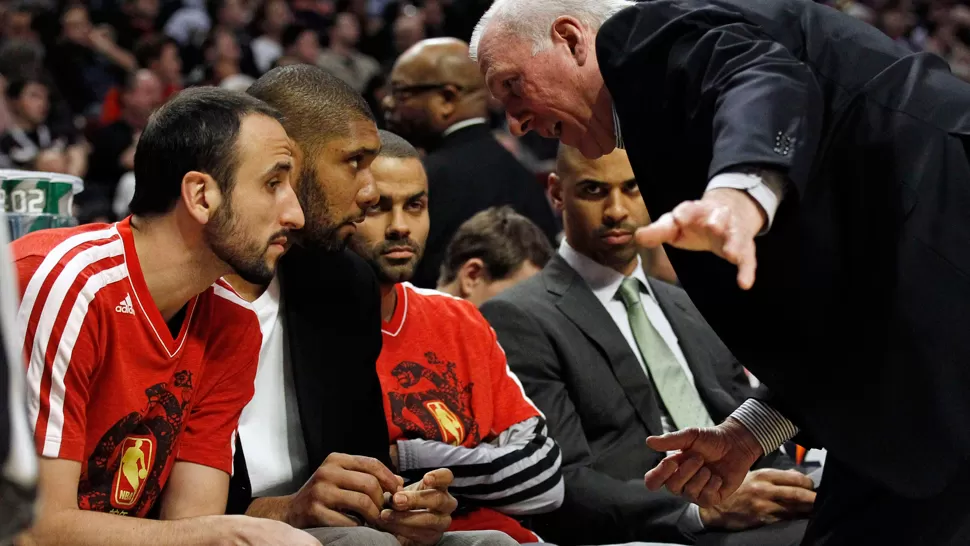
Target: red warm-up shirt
column 108, row 385
column 445, row 378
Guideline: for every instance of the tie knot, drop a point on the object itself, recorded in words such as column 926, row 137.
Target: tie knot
column 629, row 292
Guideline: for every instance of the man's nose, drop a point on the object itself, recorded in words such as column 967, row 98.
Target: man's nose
column 398, row 228
column 292, row 217
column 367, row 195
column 519, row 124
column 615, row 207
column 388, row 104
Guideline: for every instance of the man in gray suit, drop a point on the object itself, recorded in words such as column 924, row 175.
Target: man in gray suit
column 611, row 356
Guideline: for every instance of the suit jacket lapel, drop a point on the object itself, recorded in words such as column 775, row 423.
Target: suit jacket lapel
column 699, row 357
column 578, row 303
column 301, row 323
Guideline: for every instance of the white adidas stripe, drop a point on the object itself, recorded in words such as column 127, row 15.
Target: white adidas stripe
column 52, row 307
column 39, row 276
column 65, row 349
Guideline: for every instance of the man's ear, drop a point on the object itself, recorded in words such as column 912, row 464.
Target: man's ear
column 201, row 196
column 445, row 104
column 570, row 32
column 555, row 191
column 471, row 275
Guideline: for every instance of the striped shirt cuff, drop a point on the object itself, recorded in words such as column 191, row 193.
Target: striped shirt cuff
column 769, row 427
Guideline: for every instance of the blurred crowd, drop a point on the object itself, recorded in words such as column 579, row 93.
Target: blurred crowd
column 937, row 26
column 81, row 79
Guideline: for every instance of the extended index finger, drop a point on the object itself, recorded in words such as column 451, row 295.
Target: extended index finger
column 657, row 477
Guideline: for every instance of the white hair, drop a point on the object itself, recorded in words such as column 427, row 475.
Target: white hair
column 533, row 19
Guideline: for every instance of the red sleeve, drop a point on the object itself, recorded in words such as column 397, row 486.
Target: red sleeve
column 511, row 405
column 209, row 434
column 60, row 327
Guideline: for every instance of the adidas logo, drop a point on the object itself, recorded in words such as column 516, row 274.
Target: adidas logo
column 125, row 306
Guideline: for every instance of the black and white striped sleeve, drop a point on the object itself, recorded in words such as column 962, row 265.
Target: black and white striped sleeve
column 18, row 465
column 769, row 427
column 518, row 473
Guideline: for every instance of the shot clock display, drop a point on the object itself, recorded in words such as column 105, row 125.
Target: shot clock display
column 37, row 200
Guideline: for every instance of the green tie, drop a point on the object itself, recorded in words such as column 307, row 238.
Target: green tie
column 676, row 391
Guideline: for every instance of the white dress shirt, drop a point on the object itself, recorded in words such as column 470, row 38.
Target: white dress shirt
column 269, row 427
column 462, row 124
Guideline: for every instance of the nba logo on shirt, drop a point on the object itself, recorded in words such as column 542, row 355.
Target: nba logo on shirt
column 452, row 431
column 137, row 456
column 125, row 306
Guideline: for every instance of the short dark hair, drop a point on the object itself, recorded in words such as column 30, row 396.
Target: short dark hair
column 17, row 85
column 149, row 49
column 213, row 7
column 316, row 104
column 394, row 145
column 502, row 238
column 196, row 130
column 19, row 57
column 292, row 33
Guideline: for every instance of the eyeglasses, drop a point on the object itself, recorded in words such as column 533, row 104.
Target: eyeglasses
column 403, row 92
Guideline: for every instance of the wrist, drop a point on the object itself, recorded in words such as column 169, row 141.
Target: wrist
column 748, row 210
column 710, row 517
column 211, row 530
column 276, row 508
column 743, row 438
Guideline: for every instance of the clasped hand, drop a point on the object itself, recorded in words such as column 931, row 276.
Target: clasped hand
column 711, row 469
column 348, row 488
column 710, row 465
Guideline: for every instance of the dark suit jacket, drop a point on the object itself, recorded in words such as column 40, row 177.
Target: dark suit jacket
column 332, row 318
column 863, row 279
column 579, row 369
column 468, row 173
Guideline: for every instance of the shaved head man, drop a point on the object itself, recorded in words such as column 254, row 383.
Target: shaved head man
column 438, row 102
column 577, row 173
column 434, row 85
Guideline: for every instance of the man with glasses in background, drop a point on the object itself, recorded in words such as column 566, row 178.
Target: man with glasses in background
column 438, row 102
